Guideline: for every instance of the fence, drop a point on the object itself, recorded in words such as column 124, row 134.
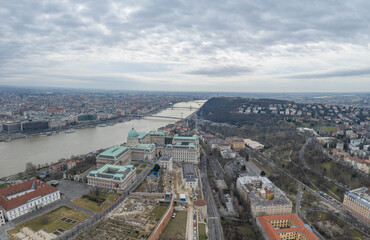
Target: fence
column 83, row 226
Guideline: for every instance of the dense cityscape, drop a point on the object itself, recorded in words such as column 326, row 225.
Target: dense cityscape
column 237, row 165
column 184, row 120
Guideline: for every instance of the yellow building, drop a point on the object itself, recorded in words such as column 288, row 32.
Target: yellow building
column 236, row 143
column 358, row 202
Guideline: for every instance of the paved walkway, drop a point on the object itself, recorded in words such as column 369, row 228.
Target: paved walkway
column 3, row 235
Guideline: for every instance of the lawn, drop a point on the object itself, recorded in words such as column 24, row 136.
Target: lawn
column 93, row 206
column 3, row 185
column 202, row 231
column 139, row 171
column 49, row 222
column 329, row 129
column 176, row 228
column 158, row 211
column 143, row 165
column 263, row 168
column 136, row 165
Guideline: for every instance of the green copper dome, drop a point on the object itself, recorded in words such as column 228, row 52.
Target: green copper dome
column 132, row 133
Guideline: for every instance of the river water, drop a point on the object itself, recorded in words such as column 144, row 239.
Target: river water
column 40, row 150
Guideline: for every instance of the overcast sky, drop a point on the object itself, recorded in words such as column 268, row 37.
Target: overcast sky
column 210, row 45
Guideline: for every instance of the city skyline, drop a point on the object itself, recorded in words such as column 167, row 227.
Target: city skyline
column 240, row 46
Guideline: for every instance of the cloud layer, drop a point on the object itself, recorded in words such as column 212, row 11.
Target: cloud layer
column 238, row 45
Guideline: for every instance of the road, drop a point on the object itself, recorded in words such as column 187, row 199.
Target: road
column 214, row 222
column 298, row 203
column 189, row 224
column 321, row 195
column 216, row 168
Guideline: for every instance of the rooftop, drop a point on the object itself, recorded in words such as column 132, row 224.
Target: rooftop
column 296, row 226
column 113, row 152
column 144, row 147
column 188, row 171
column 254, row 186
column 178, row 137
column 158, row 133
column 165, row 158
column 134, row 133
column 113, row 172
column 182, row 145
column 17, row 195
column 362, row 195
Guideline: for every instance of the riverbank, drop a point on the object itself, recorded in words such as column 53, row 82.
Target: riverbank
column 81, row 125
column 44, row 150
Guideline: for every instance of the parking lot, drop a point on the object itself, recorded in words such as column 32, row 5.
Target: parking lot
column 72, row 189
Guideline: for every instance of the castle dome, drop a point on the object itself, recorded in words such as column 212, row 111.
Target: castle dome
column 132, row 133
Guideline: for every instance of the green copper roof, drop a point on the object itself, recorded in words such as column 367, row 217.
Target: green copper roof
column 177, row 137
column 112, row 172
column 113, row 152
column 158, row 133
column 181, row 145
column 144, row 147
column 132, row 133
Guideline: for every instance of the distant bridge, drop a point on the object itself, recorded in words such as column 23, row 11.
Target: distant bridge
column 190, row 107
column 168, row 117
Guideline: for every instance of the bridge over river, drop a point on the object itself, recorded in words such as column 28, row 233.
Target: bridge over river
column 153, row 116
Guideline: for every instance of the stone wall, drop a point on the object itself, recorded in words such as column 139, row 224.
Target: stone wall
column 162, row 222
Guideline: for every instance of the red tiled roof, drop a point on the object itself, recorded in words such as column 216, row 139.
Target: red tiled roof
column 272, row 233
column 41, row 189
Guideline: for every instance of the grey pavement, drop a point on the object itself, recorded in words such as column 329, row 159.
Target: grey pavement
column 72, row 189
column 214, row 223
column 3, row 235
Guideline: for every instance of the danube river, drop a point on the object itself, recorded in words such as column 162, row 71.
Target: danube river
column 39, row 150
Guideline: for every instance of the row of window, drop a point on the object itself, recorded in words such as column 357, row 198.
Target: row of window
column 25, row 208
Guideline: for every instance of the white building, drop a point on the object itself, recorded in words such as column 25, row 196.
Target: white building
column 189, row 176
column 135, row 138
column 185, row 139
column 228, row 153
column 262, row 196
column 253, row 144
column 182, row 152
column 26, row 197
column 166, row 162
column 2, row 219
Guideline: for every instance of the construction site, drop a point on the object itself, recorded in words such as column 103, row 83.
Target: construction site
column 160, row 208
column 136, row 218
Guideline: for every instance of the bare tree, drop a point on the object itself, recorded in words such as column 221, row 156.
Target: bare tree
column 30, row 167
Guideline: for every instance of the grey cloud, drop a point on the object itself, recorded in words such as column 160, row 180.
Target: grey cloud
column 342, row 73
column 223, row 71
column 178, row 31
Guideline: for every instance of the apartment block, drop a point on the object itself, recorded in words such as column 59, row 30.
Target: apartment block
column 357, row 201
column 263, row 197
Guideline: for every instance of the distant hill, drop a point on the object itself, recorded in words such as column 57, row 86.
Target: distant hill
column 225, row 110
